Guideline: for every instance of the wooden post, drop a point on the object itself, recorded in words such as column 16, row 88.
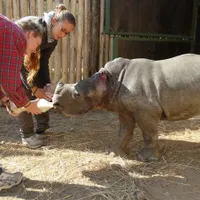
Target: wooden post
column 73, row 49
column 58, row 2
column 51, row 59
column 79, row 39
column 107, row 42
column 57, row 64
column 9, row 9
column 24, row 8
column 95, row 35
column 101, row 46
column 110, row 53
column 65, row 51
column 87, row 41
column 58, row 58
column 49, row 5
column 33, row 8
column 40, row 7
column 65, row 59
column 1, row 7
column 16, row 13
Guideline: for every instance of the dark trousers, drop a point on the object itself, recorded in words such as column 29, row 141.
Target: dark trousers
column 26, row 121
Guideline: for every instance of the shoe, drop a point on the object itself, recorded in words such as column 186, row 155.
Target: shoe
column 32, row 142
column 41, row 136
column 41, row 133
column 8, row 180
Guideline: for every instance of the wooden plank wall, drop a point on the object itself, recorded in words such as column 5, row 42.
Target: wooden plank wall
column 152, row 16
column 81, row 53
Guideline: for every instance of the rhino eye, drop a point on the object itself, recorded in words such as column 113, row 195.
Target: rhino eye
column 75, row 95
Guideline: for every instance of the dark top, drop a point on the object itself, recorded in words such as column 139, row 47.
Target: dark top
column 46, row 49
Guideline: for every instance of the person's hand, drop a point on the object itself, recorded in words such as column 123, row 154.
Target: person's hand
column 9, row 110
column 9, row 105
column 40, row 94
column 4, row 100
column 31, row 107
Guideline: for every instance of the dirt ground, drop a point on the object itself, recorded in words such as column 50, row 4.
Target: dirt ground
column 75, row 164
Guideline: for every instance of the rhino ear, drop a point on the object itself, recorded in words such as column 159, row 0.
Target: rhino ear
column 101, row 85
column 103, row 75
column 60, row 83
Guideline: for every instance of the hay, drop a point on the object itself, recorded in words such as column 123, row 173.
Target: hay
column 76, row 163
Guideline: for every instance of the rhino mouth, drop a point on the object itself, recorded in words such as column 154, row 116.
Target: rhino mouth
column 58, row 107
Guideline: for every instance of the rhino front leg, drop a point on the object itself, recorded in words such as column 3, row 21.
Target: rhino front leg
column 127, row 124
column 149, row 126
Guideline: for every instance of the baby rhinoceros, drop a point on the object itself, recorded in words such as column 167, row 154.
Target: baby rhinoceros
column 141, row 91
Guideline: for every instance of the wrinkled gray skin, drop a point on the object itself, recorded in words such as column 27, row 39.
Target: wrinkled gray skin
column 141, row 91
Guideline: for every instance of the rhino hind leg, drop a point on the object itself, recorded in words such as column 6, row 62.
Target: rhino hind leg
column 148, row 123
column 127, row 124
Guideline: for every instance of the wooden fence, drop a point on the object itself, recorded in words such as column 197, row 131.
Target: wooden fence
column 81, row 53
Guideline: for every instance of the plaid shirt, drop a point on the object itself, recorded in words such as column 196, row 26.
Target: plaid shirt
column 12, row 48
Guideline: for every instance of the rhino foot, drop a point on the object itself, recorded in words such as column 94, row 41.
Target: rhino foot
column 148, row 155
column 120, row 152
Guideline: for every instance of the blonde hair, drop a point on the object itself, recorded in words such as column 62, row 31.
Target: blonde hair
column 32, row 65
column 62, row 14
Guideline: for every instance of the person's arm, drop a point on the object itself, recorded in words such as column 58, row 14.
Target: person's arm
column 12, row 45
column 3, row 97
column 42, row 78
